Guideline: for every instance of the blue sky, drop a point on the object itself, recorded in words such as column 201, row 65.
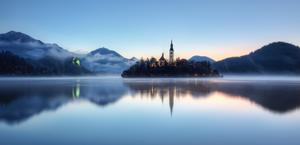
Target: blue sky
column 141, row 28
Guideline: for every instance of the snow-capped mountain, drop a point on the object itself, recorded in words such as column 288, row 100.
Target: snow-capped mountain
column 104, row 60
column 197, row 58
column 27, row 47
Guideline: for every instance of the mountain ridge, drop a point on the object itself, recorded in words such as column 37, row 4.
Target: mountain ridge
column 56, row 58
column 274, row 58
column 17, row 36
column 42, row 58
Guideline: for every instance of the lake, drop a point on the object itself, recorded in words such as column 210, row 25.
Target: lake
column 159, row 111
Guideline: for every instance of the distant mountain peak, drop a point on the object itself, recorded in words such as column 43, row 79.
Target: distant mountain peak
column 105, row 51
column 278, row 44
column 12, row 36
column 198, row 58
column 134, row 59
column 278, row 48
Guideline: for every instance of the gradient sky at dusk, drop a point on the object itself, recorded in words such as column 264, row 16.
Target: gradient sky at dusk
column 217, row 29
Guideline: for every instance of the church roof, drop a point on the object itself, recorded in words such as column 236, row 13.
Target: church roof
column 162, row 58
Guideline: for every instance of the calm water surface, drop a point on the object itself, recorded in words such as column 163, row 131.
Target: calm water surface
column 116, row 111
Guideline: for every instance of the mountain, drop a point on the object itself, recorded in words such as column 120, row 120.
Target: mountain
column 20, row 54
column 104, row 60
column 197, row 58
column 42, row 58
column 274, row 58
column 13, row 36
column 50, row 59
column 27, row 47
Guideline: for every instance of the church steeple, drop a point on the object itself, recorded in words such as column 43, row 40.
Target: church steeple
column 171, row 53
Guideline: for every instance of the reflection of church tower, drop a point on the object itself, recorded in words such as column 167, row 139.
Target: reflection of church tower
column 171, row 99
column 171, row 53
column 161, row 96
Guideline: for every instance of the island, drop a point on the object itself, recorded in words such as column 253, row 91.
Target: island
column 163, row 68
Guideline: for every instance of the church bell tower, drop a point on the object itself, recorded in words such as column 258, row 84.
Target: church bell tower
column 171, row 53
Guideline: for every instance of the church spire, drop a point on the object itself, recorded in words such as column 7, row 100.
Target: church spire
column 171, row 53
column 171, row 45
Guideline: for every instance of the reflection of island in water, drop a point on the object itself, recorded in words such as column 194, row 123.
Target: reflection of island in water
column 167, row 90
column 278, row 97
column 20, row 101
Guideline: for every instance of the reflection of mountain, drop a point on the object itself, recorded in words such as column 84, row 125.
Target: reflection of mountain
column 277, row 97
column 18, row 101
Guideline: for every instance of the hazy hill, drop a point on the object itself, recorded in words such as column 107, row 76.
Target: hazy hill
column 274, row 58
column 27, row 47
column 104, row 60
column 197, row 58
column 37, row 57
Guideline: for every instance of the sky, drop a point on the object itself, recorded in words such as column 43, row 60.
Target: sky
column 144, row 28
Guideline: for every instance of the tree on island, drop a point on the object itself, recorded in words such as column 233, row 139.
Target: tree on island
column 161, row 68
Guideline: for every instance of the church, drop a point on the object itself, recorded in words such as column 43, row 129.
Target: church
column 163, row 61
column 170, row 68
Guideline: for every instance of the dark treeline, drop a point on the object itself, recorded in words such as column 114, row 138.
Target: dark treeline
column 13, row 65
column 179, row 68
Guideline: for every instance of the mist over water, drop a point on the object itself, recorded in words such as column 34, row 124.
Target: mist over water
column 112, row 110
